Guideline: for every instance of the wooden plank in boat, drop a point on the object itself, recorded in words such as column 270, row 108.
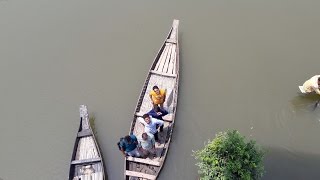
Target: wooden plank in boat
column 144, row 161
column 168, row 59
column 163, row 74
column 173, row 59
column 167, row 118
column 140, row 114
column 163, row 57
column 175, row 63
column 85, row 161
column 85, row 132
column 173, row 41
column 158, row 63
column 139, row 174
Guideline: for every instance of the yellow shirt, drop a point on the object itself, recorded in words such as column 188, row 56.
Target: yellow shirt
column 158, row 98
column 312, row 85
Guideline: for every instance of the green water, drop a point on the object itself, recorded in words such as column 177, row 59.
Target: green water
column 241, row 64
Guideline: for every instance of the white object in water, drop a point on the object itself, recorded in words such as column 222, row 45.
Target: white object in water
column 302, row 89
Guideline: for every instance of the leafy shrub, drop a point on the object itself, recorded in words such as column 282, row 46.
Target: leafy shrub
column 229, row 156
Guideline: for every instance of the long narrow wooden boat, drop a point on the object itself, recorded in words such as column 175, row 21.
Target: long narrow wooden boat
column 86, row 162
column 164, row 72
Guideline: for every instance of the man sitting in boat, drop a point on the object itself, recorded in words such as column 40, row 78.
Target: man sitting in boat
column 129, row 146
column 157, row 112
column 158, row 96
column 151, row 125
column 147, row 144
column 312, row 85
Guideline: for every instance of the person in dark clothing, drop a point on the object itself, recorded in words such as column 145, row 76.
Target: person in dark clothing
column 157, row 112
column 129, row 146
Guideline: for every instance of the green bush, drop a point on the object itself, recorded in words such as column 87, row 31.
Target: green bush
column 229, row 157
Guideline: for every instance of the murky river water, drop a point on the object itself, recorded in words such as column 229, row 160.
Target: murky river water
column 241, row 64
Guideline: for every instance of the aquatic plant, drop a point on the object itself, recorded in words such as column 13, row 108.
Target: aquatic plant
column 229, row 156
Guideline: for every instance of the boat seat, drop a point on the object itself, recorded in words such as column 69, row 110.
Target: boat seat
column 84, row 133
column 173, row 41
column 86, row 161
column 163, row 74
column 139, row 114
column 140, row 175
column 168, row 117
column 145, row 161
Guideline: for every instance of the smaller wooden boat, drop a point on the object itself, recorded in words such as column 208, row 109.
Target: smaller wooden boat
column 86, row 162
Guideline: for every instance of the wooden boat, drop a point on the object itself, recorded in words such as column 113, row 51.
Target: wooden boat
column 86, row 162
column 164, row 72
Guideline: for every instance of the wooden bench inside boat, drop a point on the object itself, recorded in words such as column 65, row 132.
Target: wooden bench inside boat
column 145, row 161
column 173, row 41
column 139, row 114
column 140, row 175
column 163, row 74
column 85, row 161
column 85, row 132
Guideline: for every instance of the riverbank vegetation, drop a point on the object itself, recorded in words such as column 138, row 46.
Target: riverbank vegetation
column 230, row 156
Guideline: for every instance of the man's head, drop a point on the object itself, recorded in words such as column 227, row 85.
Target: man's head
column 127, row 139
column 146, row 118
column 145, row 136
column 156, row 89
